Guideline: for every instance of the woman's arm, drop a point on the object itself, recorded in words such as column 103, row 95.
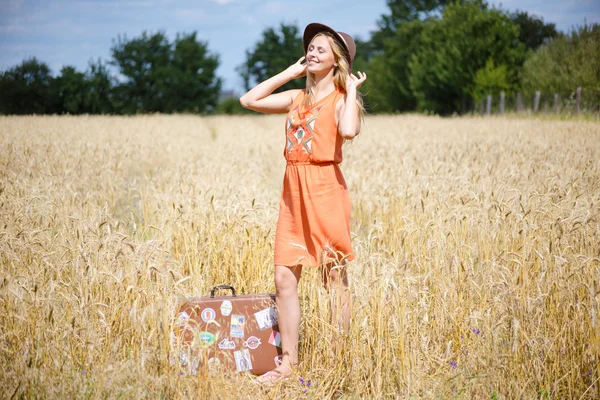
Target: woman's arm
column 260, row 99
column 349, row 121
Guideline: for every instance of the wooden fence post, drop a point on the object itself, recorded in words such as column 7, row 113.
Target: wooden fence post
column 519, row 102
column 556, row 103
column 536, row 101
column 488, row 106
column 578, row 100
column 501, row 102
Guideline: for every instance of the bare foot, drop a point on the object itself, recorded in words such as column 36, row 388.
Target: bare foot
column 285, row 367
column 272, row 377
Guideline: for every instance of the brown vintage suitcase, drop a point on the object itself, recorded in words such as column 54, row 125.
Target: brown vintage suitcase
column 229, row 333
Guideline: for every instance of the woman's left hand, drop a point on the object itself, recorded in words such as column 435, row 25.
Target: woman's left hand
column 354, row 82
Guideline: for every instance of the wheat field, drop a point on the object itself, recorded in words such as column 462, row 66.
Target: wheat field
column 477, row 242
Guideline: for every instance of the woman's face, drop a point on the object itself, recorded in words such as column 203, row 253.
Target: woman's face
column 319, row 56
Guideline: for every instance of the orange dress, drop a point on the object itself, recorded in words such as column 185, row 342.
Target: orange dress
column 313, row 227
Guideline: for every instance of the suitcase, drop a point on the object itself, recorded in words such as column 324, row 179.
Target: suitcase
column 228, row 333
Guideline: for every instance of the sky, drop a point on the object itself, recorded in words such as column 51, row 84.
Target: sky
column 69, row 32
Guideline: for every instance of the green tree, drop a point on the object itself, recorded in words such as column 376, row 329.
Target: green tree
column 365, row 51
column 100, row 86
column 190, row 82
column 388, row 84
column 165, row 77
column 566, row 63
column 533, row 32
column 70, row 91
column 402, row 11
column 272, row 54
column 26, row 88
column 391, row 49
column 490, row 80
column 454, row 48
column 140, row 61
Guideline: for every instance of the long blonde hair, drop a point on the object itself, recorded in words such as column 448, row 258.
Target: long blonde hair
column 339, row 75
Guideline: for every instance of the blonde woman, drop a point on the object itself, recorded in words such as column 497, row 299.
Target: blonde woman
column 313, row 228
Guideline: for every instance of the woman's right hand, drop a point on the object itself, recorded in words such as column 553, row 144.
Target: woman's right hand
column 297, row 70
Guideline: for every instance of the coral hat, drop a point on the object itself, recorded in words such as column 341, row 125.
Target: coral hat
column 344, row 39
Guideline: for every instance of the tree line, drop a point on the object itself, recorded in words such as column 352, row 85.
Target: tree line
column 439, row 56
column 155, row 76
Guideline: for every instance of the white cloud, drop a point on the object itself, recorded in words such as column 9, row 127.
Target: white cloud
column 249, row 19
column 194, row 15
column 274, row 7
column 222, row 2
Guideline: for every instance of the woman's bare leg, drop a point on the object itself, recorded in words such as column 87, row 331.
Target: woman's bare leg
column 288, row 306
column 335, row 280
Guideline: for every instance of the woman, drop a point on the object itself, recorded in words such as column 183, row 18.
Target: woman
column 313, row 228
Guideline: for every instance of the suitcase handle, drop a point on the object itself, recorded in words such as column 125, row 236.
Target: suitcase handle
column 212, row 292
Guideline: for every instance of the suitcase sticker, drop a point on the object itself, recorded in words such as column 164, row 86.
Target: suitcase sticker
column 226, row 308
column 266, row 318
column 208, row 314
column 242, row 360
column 237, row 326
column 227, row 344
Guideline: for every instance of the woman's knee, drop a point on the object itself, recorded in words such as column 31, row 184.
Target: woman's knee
column 286, row 280
column 335, row 276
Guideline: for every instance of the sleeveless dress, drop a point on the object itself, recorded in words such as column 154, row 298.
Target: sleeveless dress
column 313, row 227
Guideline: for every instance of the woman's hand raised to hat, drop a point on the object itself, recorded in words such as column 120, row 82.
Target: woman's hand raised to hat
column 354, row 82
column 297, row 70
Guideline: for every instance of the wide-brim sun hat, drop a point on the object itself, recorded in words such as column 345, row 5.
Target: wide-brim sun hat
column 343, row 38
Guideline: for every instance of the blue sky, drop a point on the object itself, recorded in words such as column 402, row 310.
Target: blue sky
column 67, row 32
